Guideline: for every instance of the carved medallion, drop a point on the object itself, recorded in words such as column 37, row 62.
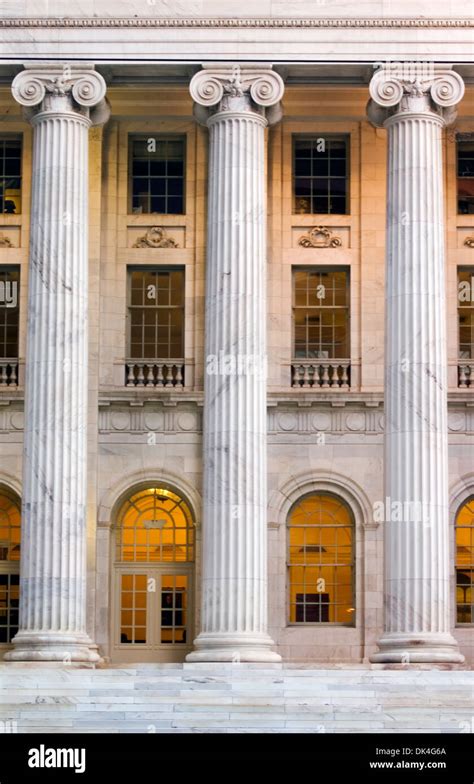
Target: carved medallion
column 319, row 237
column 5, row 242
column 156, row 237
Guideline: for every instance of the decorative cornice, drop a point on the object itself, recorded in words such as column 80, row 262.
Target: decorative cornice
column 248, row 22
column 156, row 237
column 319, row 237
column 184, row 416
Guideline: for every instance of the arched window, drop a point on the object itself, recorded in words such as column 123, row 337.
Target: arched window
column 321, row 560
column 10, row 521
column 156, row 525
column 154, row 556
column 465, row 563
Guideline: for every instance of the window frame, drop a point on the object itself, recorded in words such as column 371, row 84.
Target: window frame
column 313, row 269
column 460, row 138
column 16, row 136
column 156, row 268
column 461, row 624
column 330, row 136
column 6, row 268
column 137, row 136
column 352, row 624
column 10, row 567
column 466, row 268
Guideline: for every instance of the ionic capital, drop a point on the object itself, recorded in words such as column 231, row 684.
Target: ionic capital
column 61, row 88
column 238, row 89
column 435, row 93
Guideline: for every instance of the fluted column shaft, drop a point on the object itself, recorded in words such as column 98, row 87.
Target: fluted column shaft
column 234, row 580
column 234, row 573
column 417, row 586
column 53, row 567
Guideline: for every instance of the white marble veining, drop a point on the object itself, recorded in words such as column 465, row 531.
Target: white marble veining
column 317, row 441
column 229, row 8
column 60, row 105
column 234, row 580
column 234, row 698
column 205, row 31
column 417, row 612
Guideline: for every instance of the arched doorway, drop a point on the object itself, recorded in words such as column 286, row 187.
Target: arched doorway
column 153, row 577
column 10, row 523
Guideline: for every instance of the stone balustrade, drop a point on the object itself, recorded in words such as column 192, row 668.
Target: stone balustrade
column 321, row 373
column 159, row 373
column 9, row 373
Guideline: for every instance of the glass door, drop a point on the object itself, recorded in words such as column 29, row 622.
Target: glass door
column 174, row 609
column 133, row 607
column 152, row 615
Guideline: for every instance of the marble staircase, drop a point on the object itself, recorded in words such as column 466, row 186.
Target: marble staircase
column 224, row 698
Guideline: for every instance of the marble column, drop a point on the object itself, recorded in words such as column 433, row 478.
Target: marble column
column 416, row 526
column 61, row 104
column 236, row 105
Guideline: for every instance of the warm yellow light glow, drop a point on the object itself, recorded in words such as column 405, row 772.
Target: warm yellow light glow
column 465, row 563
column 320, row 560
column 10, row 530
column 142, row 535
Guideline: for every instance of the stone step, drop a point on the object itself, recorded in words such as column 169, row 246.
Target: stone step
column 222, row 698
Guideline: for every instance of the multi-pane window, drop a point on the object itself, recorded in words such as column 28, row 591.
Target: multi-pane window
column 321, row 313
column 157, row 172
column 10, row 520
column 10, row 174
column 173, row 608
column 466, row 312
column 133, row 608
column 156, row 313
column 9, row 311
column 321, row 175
column 465, row 563
column 465, row 174
column 321, row 561
column 155, row 525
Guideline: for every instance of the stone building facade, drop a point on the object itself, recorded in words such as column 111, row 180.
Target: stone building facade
column 201, row 468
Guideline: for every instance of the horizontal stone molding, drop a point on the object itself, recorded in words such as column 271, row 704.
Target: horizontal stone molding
column 232, row 22
column 186, row 417
column 316, row 420
column 130, row 419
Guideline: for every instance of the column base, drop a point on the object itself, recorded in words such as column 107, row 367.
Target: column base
column 417, row 648
column 65, row 648
column 221, row 647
